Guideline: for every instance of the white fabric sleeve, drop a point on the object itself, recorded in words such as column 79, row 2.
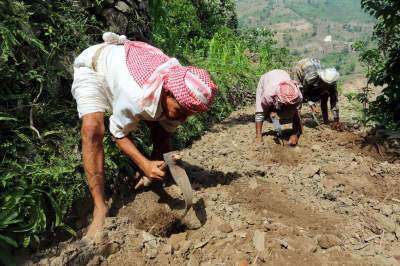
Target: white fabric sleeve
column 259, row 95
column 126, row 115
column 122, row 123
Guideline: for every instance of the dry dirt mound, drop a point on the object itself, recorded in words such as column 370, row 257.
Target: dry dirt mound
column 330, row 201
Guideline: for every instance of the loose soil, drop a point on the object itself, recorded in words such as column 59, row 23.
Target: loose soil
column 332, row 200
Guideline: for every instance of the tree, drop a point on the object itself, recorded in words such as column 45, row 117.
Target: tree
column 385, row 63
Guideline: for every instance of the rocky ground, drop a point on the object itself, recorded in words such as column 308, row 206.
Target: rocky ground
column 333, row 200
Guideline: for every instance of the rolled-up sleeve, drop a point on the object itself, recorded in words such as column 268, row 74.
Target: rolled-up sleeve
column 259, row 95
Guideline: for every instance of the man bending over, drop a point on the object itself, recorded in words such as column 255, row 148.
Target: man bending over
column 278, row 97
column 135, row 81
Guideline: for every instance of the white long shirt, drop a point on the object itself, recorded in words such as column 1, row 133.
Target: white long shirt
column 120, row 89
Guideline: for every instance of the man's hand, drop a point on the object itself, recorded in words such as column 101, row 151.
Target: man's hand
column 336, row 125
column 154, row 170
column 274, row 115
column 314, row 109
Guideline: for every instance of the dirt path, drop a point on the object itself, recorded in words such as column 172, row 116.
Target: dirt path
column 329, row 201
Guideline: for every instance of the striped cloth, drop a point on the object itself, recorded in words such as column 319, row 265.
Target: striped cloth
column 306, row 71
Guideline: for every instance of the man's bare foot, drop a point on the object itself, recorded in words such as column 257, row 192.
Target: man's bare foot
column 99, row 216
column 293, row 140
column 337, row 126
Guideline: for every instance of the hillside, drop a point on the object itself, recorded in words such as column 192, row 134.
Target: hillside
column 261, row 12
column 321, row 28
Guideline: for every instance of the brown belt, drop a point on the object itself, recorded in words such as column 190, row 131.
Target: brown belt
column 96, row 56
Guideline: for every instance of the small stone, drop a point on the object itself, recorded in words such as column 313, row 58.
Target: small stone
column 331, row 195
column 309, row 171
column 253, row 184
column 95, row 261
column 396, row 208
column 390, row 237
column 224, row 228
column 381, row 222
column 386, row 209
column 193, row 261
column 42, row 262
column 303, row 244
column 315, row 147
column 330, row 169
column 60, row 260
column 151, row 253
column 176, row 239
column 109, row 249
column 101, row 238
column 116, row 21
column 122, row 6
column 167, row 250
column 147, row 237
column 214, row 197
column 284, row 244
column 185, row 247
column 346, row 201
column 241, row 234
column 259, row 240
column 328, row 241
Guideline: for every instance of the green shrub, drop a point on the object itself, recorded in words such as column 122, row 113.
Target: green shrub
column 383, row 61
column 40, row 176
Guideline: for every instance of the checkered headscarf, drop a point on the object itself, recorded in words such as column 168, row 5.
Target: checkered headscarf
column 288, row 92
column 152, row 69
column 191, row 87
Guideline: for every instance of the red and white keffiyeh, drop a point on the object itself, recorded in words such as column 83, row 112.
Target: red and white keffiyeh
column 288, row 92
column 151, row 69
column 191, row 87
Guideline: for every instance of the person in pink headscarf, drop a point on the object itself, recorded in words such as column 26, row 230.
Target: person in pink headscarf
column 133, row 81
column 278, row 97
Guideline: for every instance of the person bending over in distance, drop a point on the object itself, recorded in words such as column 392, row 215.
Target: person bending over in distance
column 278, row 97
column 134, row 81
column 319, row 84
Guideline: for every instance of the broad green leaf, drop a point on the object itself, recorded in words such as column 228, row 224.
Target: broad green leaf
column 8, row 240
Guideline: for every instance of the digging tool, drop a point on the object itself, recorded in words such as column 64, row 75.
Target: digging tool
column 278, row 128
column 180, row 177
column 312, row 107
column 178, row 174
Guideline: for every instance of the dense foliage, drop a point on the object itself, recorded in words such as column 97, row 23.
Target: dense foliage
column 41, row 176
column 383, row 62
column 235, row 58
column 40, row 170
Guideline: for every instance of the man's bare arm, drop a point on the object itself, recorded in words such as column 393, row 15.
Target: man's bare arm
column 151, row 169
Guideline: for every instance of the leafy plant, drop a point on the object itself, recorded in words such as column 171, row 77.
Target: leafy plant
column 40, row 178
column 384, row 61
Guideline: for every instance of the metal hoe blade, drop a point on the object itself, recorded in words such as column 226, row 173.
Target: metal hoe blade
column 315, row 118
column 278, row 128
column 181, row 179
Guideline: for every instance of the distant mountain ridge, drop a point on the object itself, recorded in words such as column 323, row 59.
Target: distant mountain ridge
column 266, row 12
column 320, row 28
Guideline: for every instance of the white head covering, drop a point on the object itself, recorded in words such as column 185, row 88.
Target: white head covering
column 329, row 75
